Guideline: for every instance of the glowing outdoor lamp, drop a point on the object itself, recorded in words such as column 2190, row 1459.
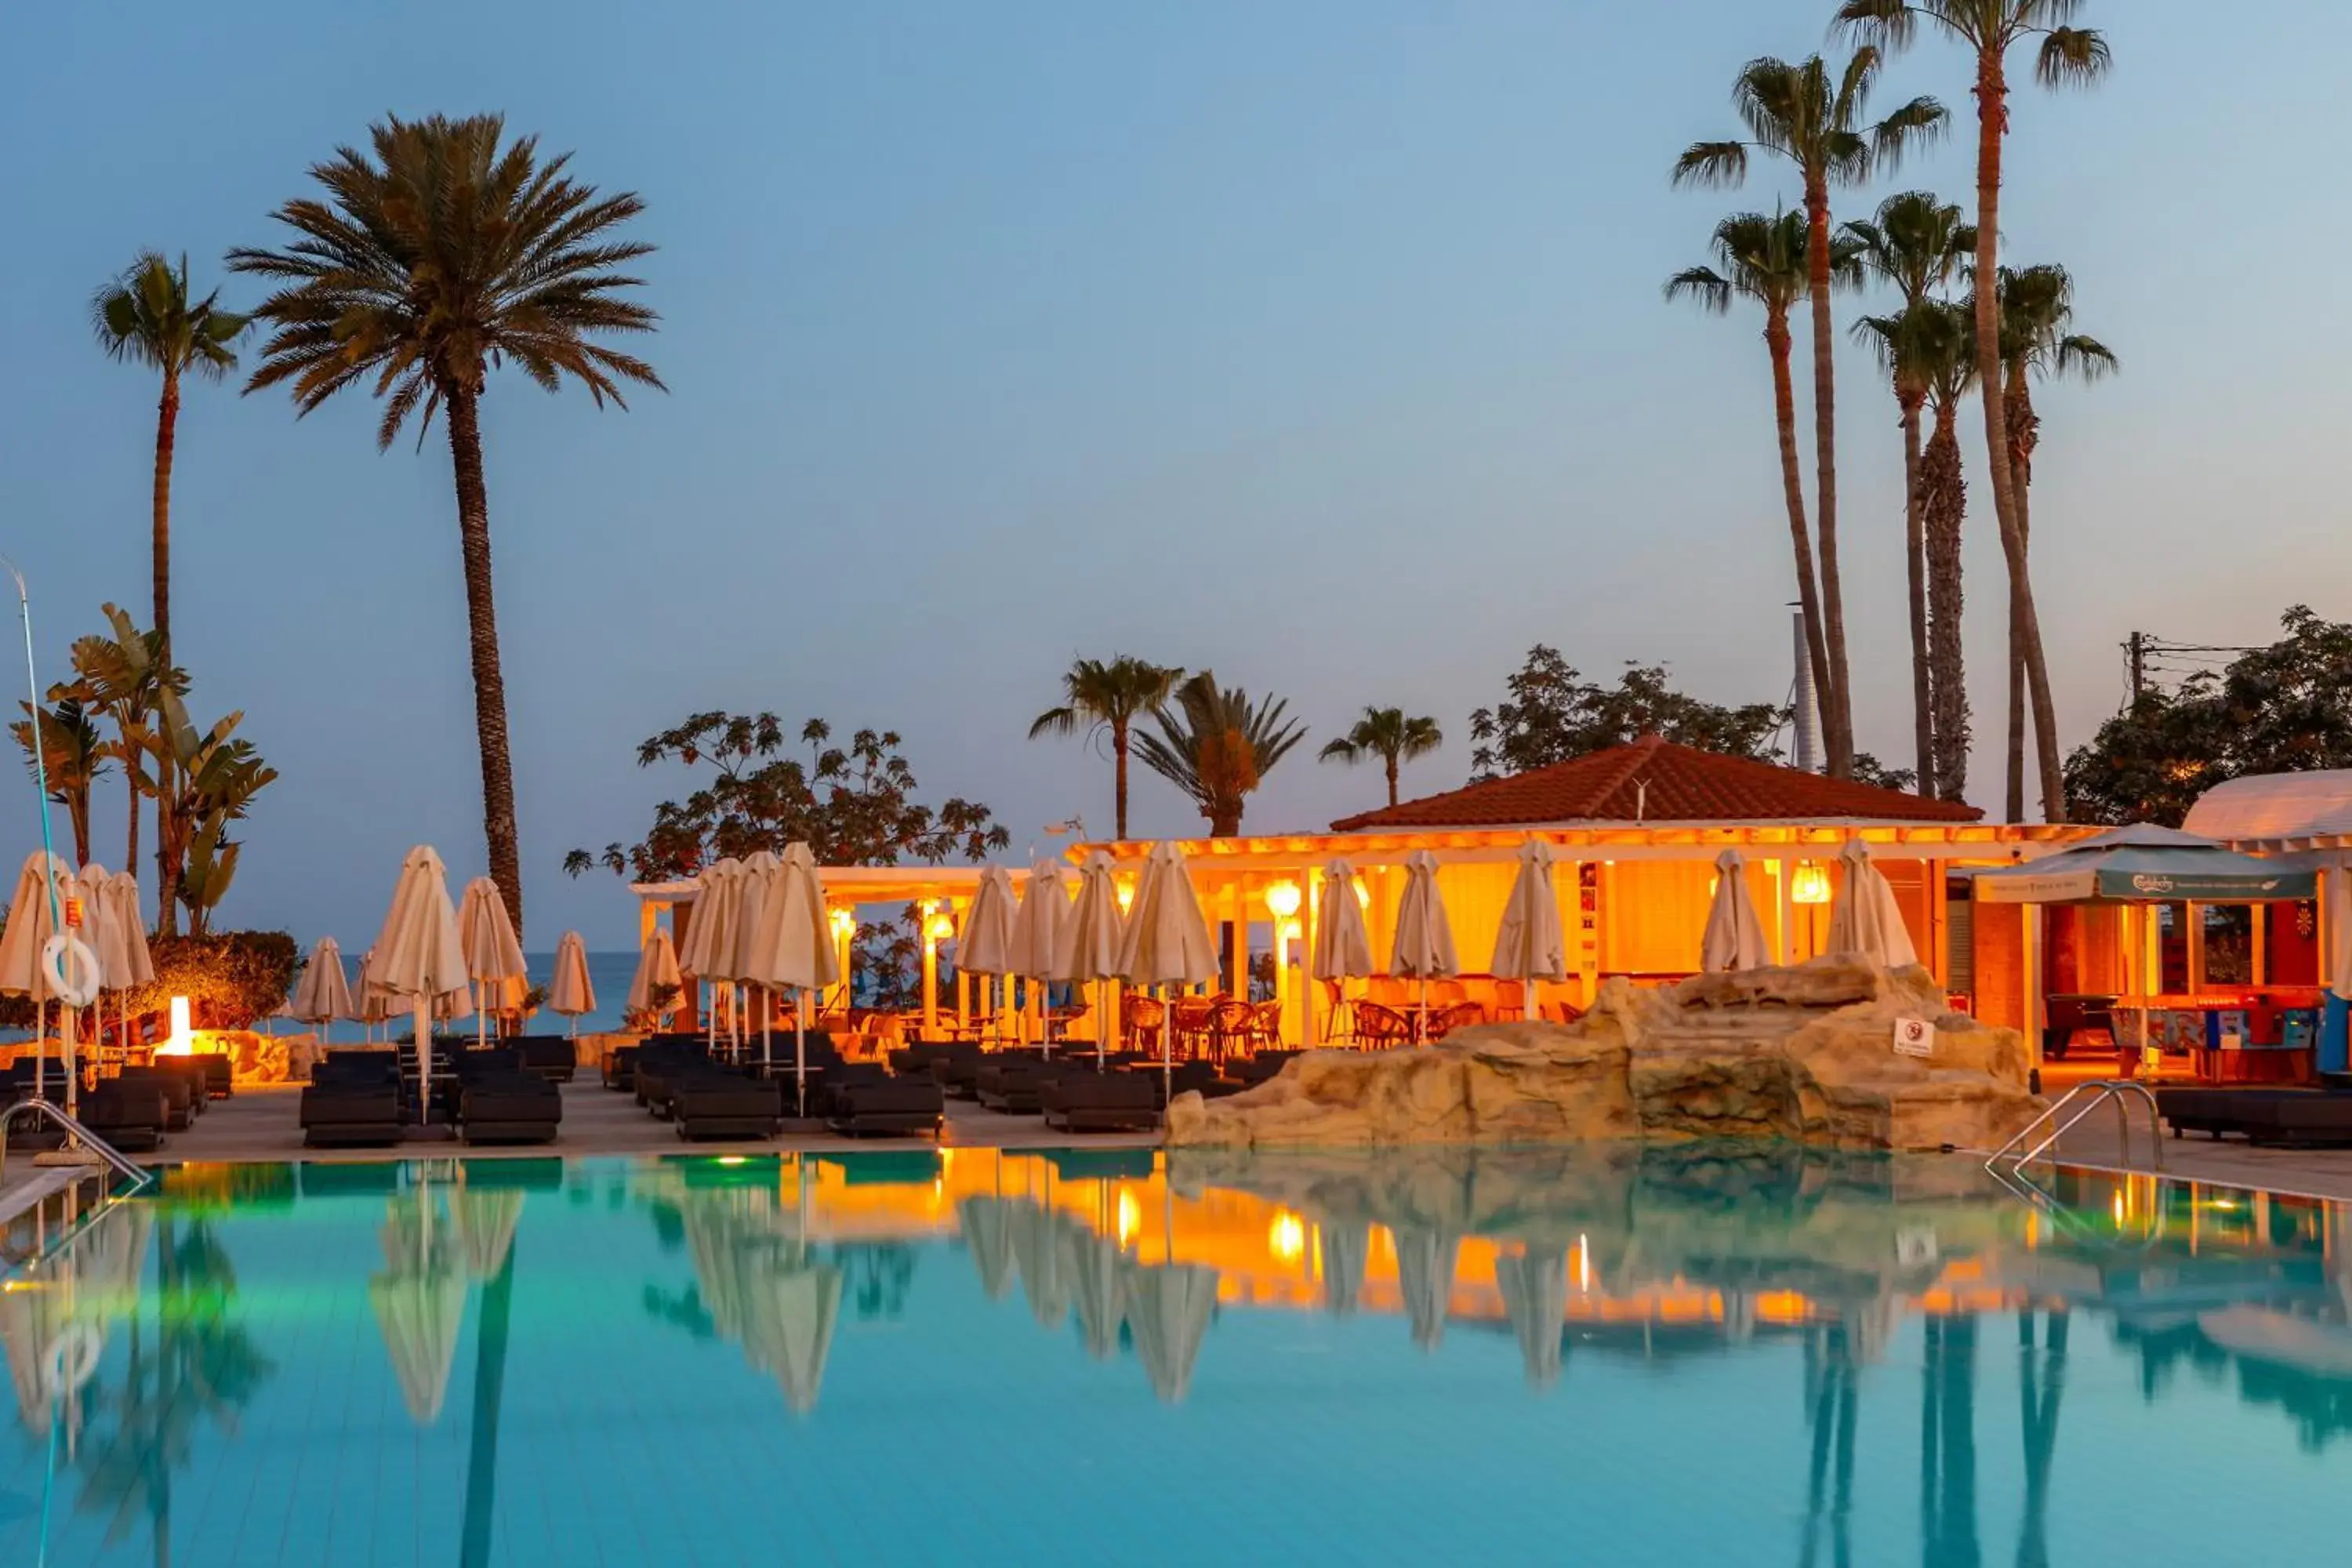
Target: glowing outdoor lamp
column 1125, row 896
column 845, row 924
column 942, row 927
column 1282, row 899
column 1810, row 885
column 180, row 1043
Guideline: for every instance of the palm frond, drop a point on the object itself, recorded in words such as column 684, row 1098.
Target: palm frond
column 2071, row 56
column 1722, row 164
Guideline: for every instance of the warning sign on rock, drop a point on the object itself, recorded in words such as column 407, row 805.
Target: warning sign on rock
column 1914, row 1038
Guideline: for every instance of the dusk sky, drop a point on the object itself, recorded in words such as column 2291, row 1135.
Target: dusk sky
column 1317, row 343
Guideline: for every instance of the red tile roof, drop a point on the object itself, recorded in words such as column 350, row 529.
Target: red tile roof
column 1654, row 780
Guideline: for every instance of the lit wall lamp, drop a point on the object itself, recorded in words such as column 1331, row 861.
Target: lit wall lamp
column 941, row 928
column 1810, row 885
column 845, row 924
column 1282, row 899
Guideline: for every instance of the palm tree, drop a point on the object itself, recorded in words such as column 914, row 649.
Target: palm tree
column 1108, row 696
column 74, row 754
column 1918, row 243
column 444, row 254
column 146, row 317
column 1814, row 118
column 2037, row 305
column 2066, row 56
column 1388, row 735
column 1217, row 746
column 1764, row 259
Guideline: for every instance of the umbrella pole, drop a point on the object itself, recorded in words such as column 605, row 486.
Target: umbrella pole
column 40, row 1050
column 799, row 1052
column 767, row 1012
column 1421, row 1016
column 424, row 1059
column 481, row 1015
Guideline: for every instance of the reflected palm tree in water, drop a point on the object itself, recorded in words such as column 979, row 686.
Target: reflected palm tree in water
column 196, row 1364
column 1832, row 1400
column 2042, row 1379
column 1947, row 1446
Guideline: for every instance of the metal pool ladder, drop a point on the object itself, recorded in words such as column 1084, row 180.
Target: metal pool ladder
column 2008, row 1161
column 138, row 1175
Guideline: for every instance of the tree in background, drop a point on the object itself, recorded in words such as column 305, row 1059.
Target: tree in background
column 2286, row 707
column 1107, row 698
column 2037, row 307
column 852, row 805
column 1553, row 715
column 1762, row 259
column 1217, row 746
column 146, row 317
column 448, row 252
column 2065, row 56
column 73, row 756
column 1941, row 337
column 1816, row 119
column 1916, row 243
column 1385, row 734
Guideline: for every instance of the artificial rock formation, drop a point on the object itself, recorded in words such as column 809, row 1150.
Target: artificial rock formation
column 1805, row 1052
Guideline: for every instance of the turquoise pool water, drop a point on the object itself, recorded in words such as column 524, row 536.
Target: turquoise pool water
column 1689, row 1357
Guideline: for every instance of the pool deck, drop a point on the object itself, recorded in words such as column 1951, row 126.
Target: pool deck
column 261, row 1123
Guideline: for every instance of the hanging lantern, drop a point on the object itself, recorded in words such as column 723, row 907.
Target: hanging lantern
column 1810, row 885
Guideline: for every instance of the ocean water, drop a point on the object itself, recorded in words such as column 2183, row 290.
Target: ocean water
column 1697, row 1356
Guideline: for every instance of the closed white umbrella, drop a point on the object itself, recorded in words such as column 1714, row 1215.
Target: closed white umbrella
column 419, row 962
column 569, row 992
column 493, row 957
column 1168, row 941
column 657, row 971
column 44, row 888
column 323, row 994
column 1094, row 937
column 370, row 1006
column 795, row 947
column 1038, row 931
column 709, row 949
column 985, row 945
column 1343, row 948
column 102, row 930
column 755, row 890
column 1528, row 945
column 121, row 896
column 1735, row 935
column 1867, row 921
column 1423, row 950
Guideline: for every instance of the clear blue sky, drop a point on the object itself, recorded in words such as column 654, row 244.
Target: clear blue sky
column 1319, row 341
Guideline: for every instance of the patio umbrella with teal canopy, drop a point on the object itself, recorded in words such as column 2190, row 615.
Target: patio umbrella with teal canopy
column 2146, row 864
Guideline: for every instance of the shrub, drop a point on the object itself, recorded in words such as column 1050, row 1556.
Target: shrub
column 231, row 979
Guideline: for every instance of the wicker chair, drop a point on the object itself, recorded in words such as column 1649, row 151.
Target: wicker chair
column 1190, row 1025
column 1141, row 1018
column 1229, row 1027
column 1266, row 1027
column 1460, row 1015
column 1379, row 1029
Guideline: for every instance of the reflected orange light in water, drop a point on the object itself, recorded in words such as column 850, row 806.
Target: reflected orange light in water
column 1130, row 1217
column 1287, row 1237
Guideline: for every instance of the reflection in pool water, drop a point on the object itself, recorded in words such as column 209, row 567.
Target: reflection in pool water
column 1702, row 1354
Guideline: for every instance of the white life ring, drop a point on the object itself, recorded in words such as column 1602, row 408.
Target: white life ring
column 72, row 1359
column 71, row 970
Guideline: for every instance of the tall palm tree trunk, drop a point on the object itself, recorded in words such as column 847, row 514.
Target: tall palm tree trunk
column 2018, row 418
column 1118, row 754
column 2025, row 624
column 1915, row 551
column 1392, row 779
column 482, row 625
column 167, row 422
column 1840, row 739
column 1944, row 485
column 1792, row 488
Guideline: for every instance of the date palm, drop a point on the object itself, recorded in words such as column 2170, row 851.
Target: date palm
column 1764, row 260
column 442, row 251
column 1107, row 697
column 1930, row 350
column 1816, row 117
column 127, row 677
column 1388, row 735
column 1217, row 746
column 2037, row 307
column 2065, row 56
column 1918, row 243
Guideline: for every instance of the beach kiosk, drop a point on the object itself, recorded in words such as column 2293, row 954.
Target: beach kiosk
column 2134, row 871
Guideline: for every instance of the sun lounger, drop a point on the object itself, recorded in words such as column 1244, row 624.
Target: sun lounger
column 220, row 1074
column 888, row 1105
column 1090, row 1101
column 552, row 1056
column 179, row 1094
column 189, row 1070
column 716, row 1103
column 2272, row 1116
column 1011, row 1085
column 621, row 1067
column 131, row 1116
column 339, row 1115
column 514, row 1107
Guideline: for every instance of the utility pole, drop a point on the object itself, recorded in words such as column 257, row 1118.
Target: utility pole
column 2136, row 654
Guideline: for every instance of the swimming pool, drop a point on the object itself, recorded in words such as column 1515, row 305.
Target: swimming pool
column 1694, row 1356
